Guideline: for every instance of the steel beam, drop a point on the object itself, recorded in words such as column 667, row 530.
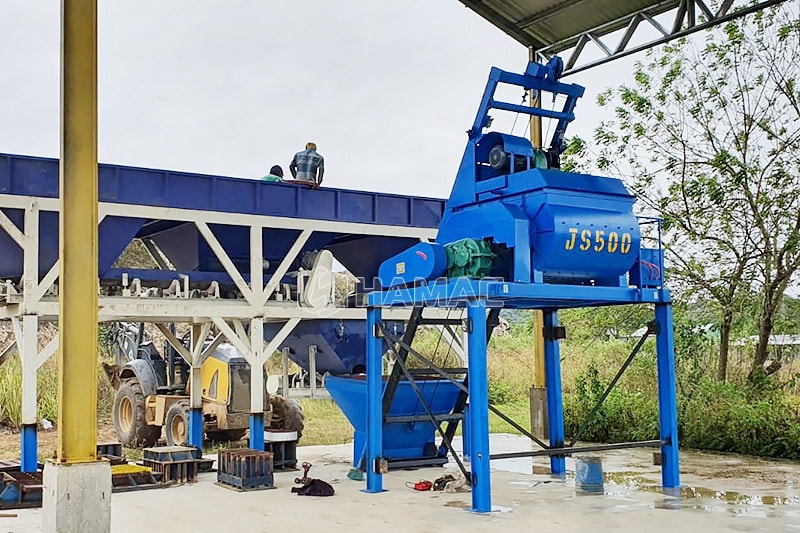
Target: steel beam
column 291, row 255
column 570, row 450
column 226, row 261
column 46, row 282
column 11, row 229
column 257, row 383
column 30, row 252
column 166, row 310
column 257, row 263
column 14, row 201
column 196, row 429
column 26, row 331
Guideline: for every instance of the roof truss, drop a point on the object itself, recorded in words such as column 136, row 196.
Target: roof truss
column 688, row 16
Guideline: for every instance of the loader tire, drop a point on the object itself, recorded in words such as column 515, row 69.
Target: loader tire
column 286, row 415
column 128, row 416
column 176, row 424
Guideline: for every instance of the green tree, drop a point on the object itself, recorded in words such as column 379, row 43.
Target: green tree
column 709, row 139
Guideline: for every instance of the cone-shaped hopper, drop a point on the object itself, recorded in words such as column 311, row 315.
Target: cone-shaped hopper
column 403, row 442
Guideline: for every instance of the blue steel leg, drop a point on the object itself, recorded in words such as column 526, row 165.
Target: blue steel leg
column 667, row 402
column 555, row 406
column 478, row 408
column 29, row 448
column 257, row 431
column 196, row 428
column 466, row 431
column 374, row 403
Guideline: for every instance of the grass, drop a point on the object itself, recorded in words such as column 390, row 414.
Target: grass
column 519, row 411
column 324, row 423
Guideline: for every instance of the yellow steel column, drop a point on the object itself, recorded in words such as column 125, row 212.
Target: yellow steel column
column 535, row 99
column 77, row 353
column 538, row 396
column 538, row 321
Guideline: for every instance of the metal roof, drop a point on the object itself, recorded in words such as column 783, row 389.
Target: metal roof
column 557, row 24
column 550, row 27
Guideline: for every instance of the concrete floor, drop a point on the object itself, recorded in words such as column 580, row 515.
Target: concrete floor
column 720, row 493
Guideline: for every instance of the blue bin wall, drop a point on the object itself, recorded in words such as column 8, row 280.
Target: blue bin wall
column 114, row 235
column 36, row 176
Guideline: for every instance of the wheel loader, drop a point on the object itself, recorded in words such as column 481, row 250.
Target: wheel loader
column 152, row 393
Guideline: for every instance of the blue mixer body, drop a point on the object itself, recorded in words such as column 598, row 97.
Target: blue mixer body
column 543, row 225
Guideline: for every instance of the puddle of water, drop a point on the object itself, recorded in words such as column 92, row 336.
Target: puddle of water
column 456, row 503
column 744, row 485
column 701, row 498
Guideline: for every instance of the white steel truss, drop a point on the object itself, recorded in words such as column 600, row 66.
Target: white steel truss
column 32, row 301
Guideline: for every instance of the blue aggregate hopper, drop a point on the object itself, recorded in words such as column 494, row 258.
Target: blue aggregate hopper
column 340, row 343
column 401, row 440
column 181, row 241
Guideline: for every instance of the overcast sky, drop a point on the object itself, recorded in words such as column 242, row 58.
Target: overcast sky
column 385, row 89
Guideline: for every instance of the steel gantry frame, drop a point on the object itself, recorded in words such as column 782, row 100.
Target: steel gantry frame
column 34, row 300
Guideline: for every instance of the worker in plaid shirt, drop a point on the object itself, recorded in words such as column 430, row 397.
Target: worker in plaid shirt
column 308, row 165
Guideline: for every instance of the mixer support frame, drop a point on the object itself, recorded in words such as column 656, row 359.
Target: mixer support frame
column 478, row 296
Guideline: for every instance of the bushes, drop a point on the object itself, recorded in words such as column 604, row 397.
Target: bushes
column 501, row 392
column 739, row 418
column 714, row 416
column 626, row 415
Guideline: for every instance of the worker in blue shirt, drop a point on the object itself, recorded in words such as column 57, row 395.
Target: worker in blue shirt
column 275, row 174
column 308, row 166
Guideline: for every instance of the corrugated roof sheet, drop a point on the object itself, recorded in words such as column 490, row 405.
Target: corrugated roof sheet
column 557, row 24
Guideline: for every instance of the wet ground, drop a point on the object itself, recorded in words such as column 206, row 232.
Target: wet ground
column 729, row 484
column 719, row 493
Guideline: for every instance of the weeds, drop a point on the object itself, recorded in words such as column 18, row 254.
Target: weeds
column 46, row 393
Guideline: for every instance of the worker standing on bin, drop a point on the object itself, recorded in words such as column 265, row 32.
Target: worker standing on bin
column 275, row 174
column 308, row 166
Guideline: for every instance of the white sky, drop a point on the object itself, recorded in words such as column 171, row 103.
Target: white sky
column 385, row 89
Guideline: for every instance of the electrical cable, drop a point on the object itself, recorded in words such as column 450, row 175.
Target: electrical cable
column 524, row 97
column 549, row 122
column 433, row 358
